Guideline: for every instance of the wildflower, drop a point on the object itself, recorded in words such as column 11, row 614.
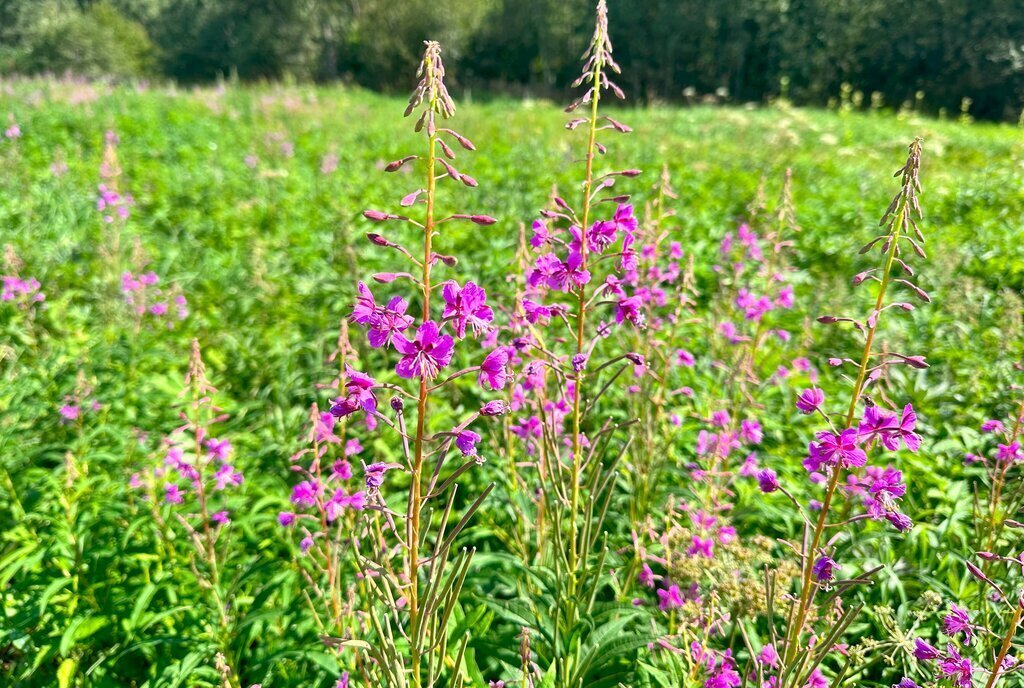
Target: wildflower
column 769, row 656
column 493, row 372
column 496, row 684
column 810, row 400
column 579, row 362
column 375, row 474
column 750, row 431
column 957, row 667
column 824, row 569
column 305, row 493
column 835, row 450
column 173, row 494
column 816, row 680
column 1008, row 452
column 628, row 310
column 883, row 425
column 306, row 544
column 286, row 518
column 646, row 576
column 494, row 408
column 768, row 481
column 353, row 446
column 669, row 598
column 703, row 547
column 906, row 683
column 958, row 621
column 466, row 306
column 426, row 354
column 466, row 442
column 994, row 426
column 218, row 449
column 227, row 475
column 220, row 517
column 724, row 675
column 924, row 651
column 685, row 358
column 383, row 322
column 70, row 412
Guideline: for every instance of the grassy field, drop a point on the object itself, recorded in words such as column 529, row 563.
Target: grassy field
column 249, row 201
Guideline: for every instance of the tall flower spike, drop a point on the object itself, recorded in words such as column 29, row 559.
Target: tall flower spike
column 885, row 487
column 411, row 547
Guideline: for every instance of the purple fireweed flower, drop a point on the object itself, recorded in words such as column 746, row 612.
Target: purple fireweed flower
column 992, row 426
column 835, row 450
column 767, row 480
column 493, row 371
column 883, row 425
column 600, row 236
column 669, row 598
column 305, row 494
column 383, row 322
column 906, row 683
column 702, row 547
column 496, row 684
column 220, row 517
column 579, row 362
column 375, row 474
column 750, row 432
column 353, row 446
column 218, row 449
column 900, row 521
column 628, row 310
column 466, row 306
column 497, row 407
column 173, row 493
column 227, row 475
column 816, row 680
column 541, row 235
column 341, row 501
column 426, row 354
column 286, row 518
column 924, row 651
column 685, row 358
column 958, row 621
column 306, row 544
column 957, row 667
column 810, row 400
column 646, row 576
column 466, row 441
column 70, row 412
column 824, row 569
column 1008, row 452
column 343, row 681
column 769, row 656
column 724, row 675
column 341, row 469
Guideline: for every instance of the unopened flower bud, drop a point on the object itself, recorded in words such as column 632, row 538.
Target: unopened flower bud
column 494, row 408
column 397, row 405
column 376, row 215
column 397, row 164
column 635, row 358
column 483, row 220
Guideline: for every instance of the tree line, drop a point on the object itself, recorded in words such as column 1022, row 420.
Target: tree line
column 935, row 54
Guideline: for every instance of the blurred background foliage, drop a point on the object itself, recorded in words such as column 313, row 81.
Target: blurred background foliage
column 945, row 55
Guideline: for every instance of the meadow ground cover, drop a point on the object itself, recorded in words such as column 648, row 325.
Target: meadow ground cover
column 258, row 429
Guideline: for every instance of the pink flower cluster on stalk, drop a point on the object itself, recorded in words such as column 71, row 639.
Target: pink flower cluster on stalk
column 143, row 294
column 419, row 331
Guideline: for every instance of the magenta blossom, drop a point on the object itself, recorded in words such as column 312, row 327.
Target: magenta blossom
column 426, row 354
column 958, row 621
column 493, row 371
column 958, row 668
column 835, row 450
column 669, row 598
column 810, row 400
column 383, row 322
column 824, row 569
column 466, row 306
column 466, row 441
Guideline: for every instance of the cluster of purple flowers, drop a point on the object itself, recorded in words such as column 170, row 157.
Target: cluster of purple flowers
column 144, row 295
column 324, row 494
column 111, row 204
column 23, row 292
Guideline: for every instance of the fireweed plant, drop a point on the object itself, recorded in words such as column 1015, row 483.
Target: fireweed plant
column 816, row 617
column 705, row 570
column 980, row 636
column 410, row 574
column 185, row 487
column 583, row 283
